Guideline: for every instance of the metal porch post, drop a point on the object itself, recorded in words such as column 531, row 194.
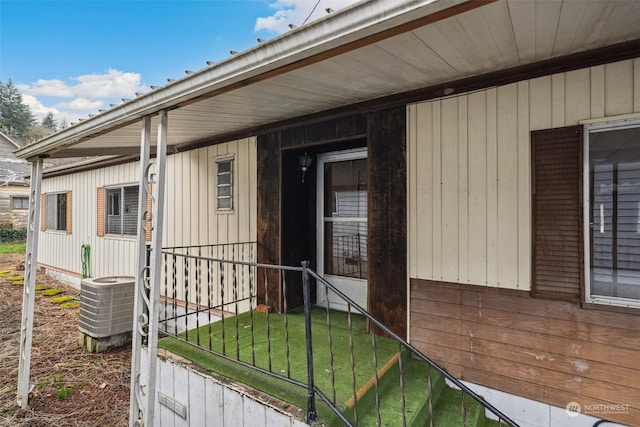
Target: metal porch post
column 147, row 296
column 28, row 297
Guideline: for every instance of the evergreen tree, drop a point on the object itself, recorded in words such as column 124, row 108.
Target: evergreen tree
column 16, row 118
column 49, row 122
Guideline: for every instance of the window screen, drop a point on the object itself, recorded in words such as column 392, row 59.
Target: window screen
column 122, row 210
column 56, row 211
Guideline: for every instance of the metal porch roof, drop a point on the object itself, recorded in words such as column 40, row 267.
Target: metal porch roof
column 370, row 50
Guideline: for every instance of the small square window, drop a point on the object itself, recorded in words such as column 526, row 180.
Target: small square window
column 224, row 184
column 19, row 202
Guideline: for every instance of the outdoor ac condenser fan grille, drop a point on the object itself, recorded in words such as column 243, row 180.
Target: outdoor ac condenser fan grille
column 106, row 306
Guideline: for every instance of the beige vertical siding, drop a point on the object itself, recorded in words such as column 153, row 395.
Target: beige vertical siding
column 190, row 213
column 469, row 166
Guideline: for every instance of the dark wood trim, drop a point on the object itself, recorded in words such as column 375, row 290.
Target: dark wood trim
column 478, row 288
column 329, row 141
column 589, row 58
column 387, row 218
column 268, row 218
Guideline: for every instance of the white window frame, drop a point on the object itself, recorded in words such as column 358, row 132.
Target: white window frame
column 121, row 188
column 586, row 172
column 230, row 173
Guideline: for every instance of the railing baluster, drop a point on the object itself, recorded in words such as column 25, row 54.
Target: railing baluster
column 463, row 409
column 175, row 293
column 165, row 303
column 430, row 390
column 186, row 295
column 353, row 366
column 198, row 295
column 375, row 377
column 331, row 367
column 251, row 307
column 286, row 323
column 266, row 303
column 402, row 401
column 209, row 300
column 221, row 273
column 235, row 299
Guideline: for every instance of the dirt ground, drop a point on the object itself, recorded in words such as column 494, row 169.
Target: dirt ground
column 71, row 386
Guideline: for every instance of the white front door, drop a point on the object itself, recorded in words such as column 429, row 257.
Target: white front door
column 342, row 226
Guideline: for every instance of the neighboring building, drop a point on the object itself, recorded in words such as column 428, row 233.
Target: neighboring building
column 14, row 187
column 496, row 148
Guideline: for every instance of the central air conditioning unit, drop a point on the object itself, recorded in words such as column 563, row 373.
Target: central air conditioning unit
column 106, row 310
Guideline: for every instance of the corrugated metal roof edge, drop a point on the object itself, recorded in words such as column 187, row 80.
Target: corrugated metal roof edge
column 343, row 27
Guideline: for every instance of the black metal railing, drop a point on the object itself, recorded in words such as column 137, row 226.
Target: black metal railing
column 211, row 301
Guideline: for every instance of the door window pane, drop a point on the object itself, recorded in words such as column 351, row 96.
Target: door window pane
column 345, row 221
column 346, row 249
column 345, row 189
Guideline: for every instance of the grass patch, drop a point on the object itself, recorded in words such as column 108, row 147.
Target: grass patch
column 70, row 304
column 41, row 288
column 14, row 278
column 60, row 300
column 12, row 248
column 52, row 292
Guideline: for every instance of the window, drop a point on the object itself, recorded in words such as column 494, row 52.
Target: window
column 224, row 185
column 18, row 202
column 122, row 210
column 612, row 213
column 56, row 211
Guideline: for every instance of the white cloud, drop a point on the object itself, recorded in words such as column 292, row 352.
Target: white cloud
column 40, row 111
column 81, row 104
column 113, row 83
column 296, row 12
column 79, row 96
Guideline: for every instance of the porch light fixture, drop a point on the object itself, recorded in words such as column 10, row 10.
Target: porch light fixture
column 305, row 162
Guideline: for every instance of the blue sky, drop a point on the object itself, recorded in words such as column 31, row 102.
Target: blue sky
column 75, row 57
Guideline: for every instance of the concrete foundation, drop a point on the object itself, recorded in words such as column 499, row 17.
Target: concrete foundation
column 99, row 345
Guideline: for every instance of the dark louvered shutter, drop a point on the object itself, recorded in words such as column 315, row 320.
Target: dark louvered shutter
column 556, row 156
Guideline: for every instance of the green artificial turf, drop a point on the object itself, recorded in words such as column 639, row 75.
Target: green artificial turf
column 294, row 365
column 274, row 355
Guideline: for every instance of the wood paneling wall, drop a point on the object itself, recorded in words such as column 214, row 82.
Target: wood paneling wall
column 551, row 351
column 190, row 213
column 469, row 185
column 387, row 220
